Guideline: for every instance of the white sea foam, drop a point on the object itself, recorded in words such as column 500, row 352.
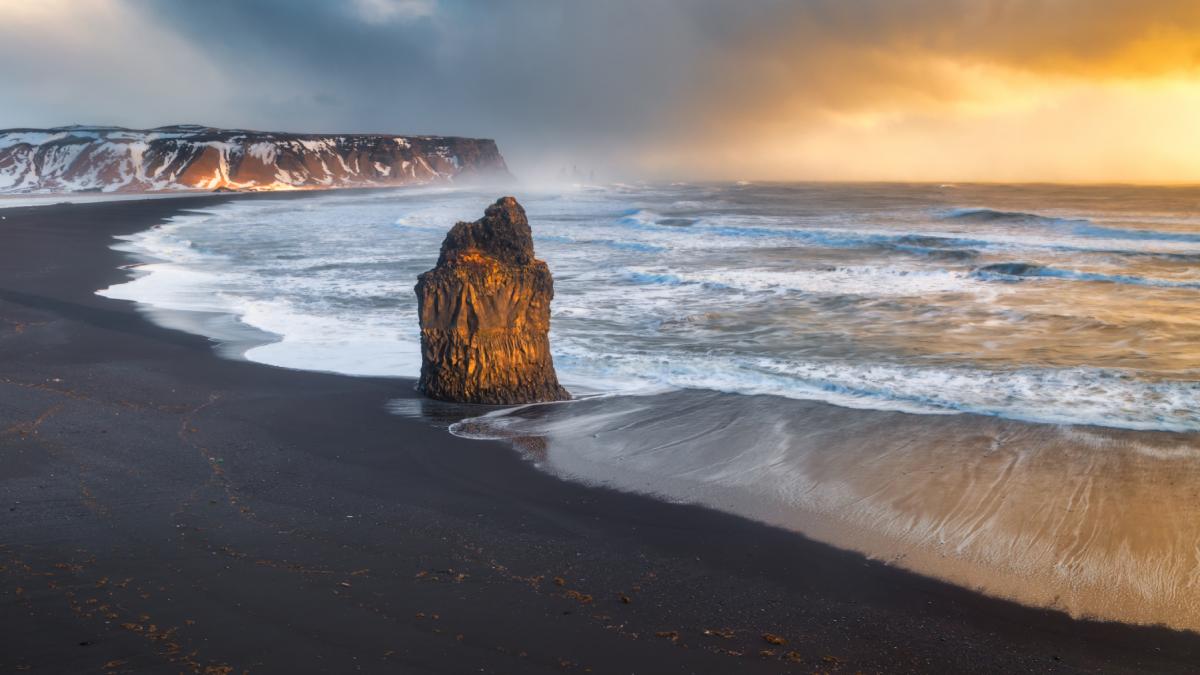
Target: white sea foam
column 1096, row 397
column 334, row 344
column 846, row 280
column 737, row 301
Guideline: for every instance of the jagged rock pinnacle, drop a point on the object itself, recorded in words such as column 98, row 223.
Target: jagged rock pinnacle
column 503, row 233
column 485, row 314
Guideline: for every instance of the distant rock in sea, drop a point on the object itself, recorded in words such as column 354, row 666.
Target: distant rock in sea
column 192, row 157
column 485, row 315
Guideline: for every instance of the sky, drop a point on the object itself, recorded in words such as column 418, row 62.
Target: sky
column 907, row 90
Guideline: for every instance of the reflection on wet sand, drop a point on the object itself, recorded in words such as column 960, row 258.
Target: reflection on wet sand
column 1095, row 521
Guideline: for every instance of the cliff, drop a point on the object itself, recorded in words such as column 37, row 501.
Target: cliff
column 113, row 159
column 485, row 314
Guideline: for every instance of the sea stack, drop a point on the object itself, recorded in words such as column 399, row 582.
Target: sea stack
column 485, row 315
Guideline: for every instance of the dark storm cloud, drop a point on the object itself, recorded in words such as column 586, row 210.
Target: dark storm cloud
column 535, row 75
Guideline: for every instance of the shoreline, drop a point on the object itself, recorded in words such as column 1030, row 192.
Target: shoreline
column 240, row 504
column 1047, row 516
column 17, row 200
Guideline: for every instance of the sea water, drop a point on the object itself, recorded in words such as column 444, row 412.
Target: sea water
column 997, row 385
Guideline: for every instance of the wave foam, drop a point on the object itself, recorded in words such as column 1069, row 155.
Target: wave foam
column 1089, row 396
column 846, row 280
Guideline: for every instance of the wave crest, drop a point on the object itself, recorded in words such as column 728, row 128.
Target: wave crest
column 1016, row 271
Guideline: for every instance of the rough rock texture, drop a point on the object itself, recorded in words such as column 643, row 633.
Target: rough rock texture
column 190, row 157
column 485, row 314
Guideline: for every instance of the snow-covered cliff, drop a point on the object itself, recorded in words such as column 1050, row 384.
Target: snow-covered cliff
column 190, row 157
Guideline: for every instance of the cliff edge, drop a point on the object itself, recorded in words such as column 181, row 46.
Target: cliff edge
column 191, row 157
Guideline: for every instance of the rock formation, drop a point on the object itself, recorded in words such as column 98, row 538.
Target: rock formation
column 190, row 157
column 485, row 314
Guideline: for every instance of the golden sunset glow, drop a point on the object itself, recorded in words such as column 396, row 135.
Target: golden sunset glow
column 986, row 91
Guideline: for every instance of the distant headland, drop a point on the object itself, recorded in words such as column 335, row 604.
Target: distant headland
column 194, row 157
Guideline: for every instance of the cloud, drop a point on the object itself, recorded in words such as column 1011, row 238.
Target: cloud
column 386, row 11
column 850, row 55
column 889, row 89
column 97, row 61
column 762, row 88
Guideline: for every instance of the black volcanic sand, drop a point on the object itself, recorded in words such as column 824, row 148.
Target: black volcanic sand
column 166, row 510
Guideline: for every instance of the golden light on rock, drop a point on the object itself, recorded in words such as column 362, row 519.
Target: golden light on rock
column 485, row 315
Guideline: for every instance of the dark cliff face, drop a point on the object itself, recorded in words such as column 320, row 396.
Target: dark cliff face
column 112, row 159
column 485, row 315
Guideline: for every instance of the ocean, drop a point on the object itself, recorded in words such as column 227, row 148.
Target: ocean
column 994, row 385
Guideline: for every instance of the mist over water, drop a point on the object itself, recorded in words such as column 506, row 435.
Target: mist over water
column 993, row 384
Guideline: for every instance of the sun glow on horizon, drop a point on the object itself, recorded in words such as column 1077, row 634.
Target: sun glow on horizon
column 1135, row 133
column 988, row 92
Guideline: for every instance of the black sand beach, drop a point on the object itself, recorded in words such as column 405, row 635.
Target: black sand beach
column 167, row 510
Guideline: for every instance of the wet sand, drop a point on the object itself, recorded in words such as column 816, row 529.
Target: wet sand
column 1095, row 521
column 167, row 510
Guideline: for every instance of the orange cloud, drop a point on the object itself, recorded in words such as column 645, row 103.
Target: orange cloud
column 1064, row 90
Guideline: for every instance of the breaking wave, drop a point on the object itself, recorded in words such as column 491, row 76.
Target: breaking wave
column 1093, row 396
column 1016, row 271
column 1081, row 227
column 982, row 215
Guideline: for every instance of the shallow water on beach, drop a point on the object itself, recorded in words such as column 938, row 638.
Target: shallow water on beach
column 997, row 385
column 1097, row 522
